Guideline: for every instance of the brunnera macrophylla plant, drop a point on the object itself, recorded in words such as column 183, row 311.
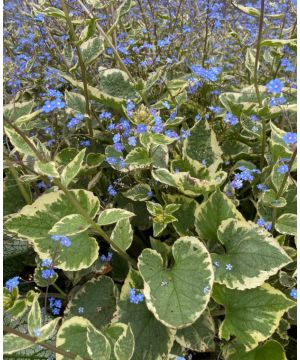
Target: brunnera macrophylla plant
column 149, row 179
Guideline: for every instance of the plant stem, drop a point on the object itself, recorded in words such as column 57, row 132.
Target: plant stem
column 259, row 36
column 281, row 189
column 34, row 340
column 82, row 67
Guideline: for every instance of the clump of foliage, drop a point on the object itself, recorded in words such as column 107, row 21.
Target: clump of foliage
column 150, row 179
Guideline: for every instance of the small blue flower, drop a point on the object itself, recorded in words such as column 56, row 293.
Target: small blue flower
column 111, row 191
column 236, row 184
column 37, row 332
column 260, row 222
column 85, row 143
column 290, row 138
column 116, row 138
column 206, row 290
column 150, row 194
column 132, row 141
column 268, row 226
column 80, row 310
column 262, row 187
column 282, row 169
column 231, row 119
column 274, row 86
column 46, row 262
column 228, row 267
column 47, row 273
column 12, row 283
column 166, row 105
column 65, row 241
column 216, row 263
column 293, row 293
column 133, row 298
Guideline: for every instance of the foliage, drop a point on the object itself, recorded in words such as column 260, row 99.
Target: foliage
column 150, row 179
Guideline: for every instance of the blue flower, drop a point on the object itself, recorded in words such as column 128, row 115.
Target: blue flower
column 135, row 298
column 111, row 191
column 118, row 147
column 290, row 138
column 141, row 128
column 107, row 258
column 65, row 241
column 105, row 115
column 150, row 194
column 236, row 184
column 116, row 138
column 282, row 169
column 166, row 104
column 206, row 290
column 85, row 143
column 228, row 267
column 37, row 332
column 274, row 86
column 231, row 119
column 287, row 65
column 12, row 283
column 55, row 305
column 46, row 262
column 260, row 222
column 80, row 310
column 262, row 187
column 293, row 293
column 132, row 141
column 47, row 273
column 277, row 101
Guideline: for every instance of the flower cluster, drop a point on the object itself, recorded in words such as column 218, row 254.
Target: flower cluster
column 55, row 305
column 12, row 283
column 135, row 298
column 244, row 175
column 107, row 258
column 64, row 240
column 262, row 223
column 48, row 271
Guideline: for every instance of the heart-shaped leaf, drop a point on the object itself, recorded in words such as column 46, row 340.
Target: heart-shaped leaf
column 177, row 296
column 251, row 257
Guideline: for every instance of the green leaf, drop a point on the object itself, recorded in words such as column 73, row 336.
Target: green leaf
column 75, row 103
column 254, row 314
column 253, row 254
column 190, row 279
column 79, row 336
column 269, row 350
column 248, row 10
column 18, row 309
column 66, row 155
column 18, row 142
column 98, row 299
column 138, row 193
column 98, row 347
column 94, row 160
column 210, row 214
column 15, row 110
column 164, row 176
column 122, row 234
column 287, row 224
column 138, row 158
column 35, row 221
column 202, row 145
column 146, row 329
column 72, row 169
column 199, row 336
column 115, row 82
column 25, row 119
column 279, row 42
column 34, row 316
column 13, row 343
column 96, row 94
column 111, row 216
column 250, row 60
column 70, row 225
column 48, row 169
column 48, row 330
column 269, row 199
column 121, row 339
column 185, row 215
column 91, row 49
